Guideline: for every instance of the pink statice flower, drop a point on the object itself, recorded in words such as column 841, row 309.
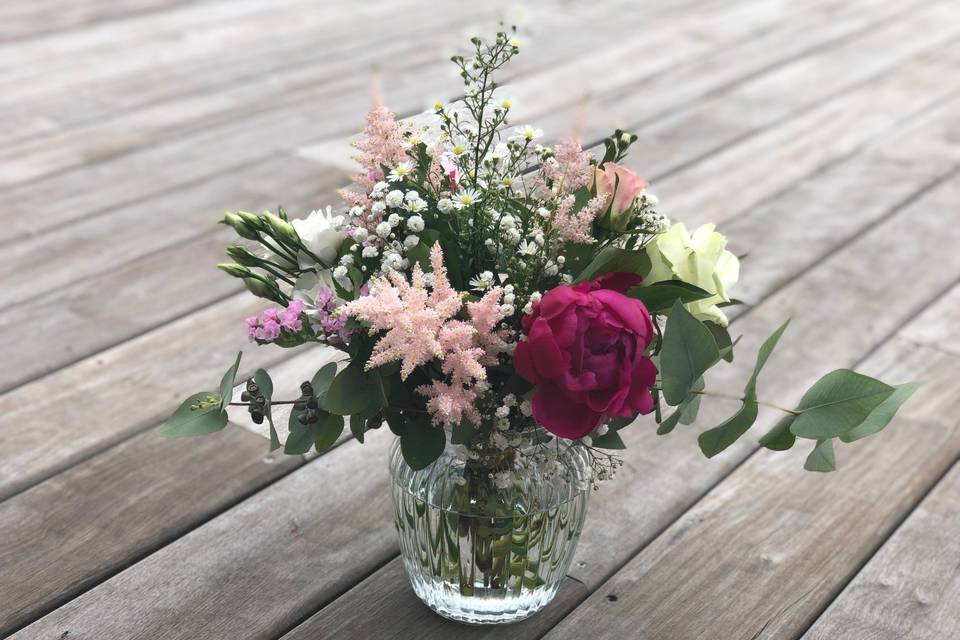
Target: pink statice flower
column 328, row 319
column 272, row 322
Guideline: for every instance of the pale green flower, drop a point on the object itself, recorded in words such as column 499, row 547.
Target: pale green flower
column 701, row 260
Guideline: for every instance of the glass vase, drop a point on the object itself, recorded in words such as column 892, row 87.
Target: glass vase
column 480, row 551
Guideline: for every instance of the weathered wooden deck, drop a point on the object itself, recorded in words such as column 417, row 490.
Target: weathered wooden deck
column 823, row 135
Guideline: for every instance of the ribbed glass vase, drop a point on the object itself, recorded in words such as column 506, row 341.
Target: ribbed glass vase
column 482, row 554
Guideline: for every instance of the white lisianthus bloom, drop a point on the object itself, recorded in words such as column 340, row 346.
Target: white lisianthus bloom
column 321, row 233
column 308, row 286
column 701, row 260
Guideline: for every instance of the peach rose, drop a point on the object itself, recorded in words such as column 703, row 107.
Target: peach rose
column 624, row 186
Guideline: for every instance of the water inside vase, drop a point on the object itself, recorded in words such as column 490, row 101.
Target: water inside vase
column 481, row 554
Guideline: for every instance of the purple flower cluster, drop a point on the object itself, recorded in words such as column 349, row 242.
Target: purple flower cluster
column 272, row 322
column 331, row 323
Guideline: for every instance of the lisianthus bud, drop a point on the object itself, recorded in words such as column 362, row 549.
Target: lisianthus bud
column 235, row 270
column 251, row 220
column 238, row 224
column 282, row 229
column 264, row 289
column 242, row 256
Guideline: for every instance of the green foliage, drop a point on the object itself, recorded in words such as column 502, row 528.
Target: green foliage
column 352, row 391
column 722, row 337
column 463, row 432
column 838, row 402
column 822, row 458
column 842, row 404
column 612, row 259
column 263, row 381
column 323, row 378
column 199, row 414
column 329, row 429
column 421, row 443
column 715, row 440
column 688, row 351
column 227, row 382
column 881, row 416
column 660, row 296
column 610, row 440
column 358, row 426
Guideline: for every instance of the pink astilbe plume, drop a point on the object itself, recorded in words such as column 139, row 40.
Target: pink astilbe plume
column 575, row 227
column 572, row 168
column 420, row 325
column 381, row 144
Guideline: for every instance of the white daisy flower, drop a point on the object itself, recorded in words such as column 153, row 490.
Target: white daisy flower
column 415, row 206
column 400, row 172
column 467, row 198
column 527, row 132
column 527, row 248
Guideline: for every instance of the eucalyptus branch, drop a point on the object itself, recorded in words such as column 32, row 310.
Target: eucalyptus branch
column 730, row 396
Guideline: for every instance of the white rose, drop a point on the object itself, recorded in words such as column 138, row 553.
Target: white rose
column 321, row 233
column 701, row 260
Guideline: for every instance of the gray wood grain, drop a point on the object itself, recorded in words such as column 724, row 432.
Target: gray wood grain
column 92, row 295
column 910, row 588
column 762, row 554
column 257, row 570
column 53, row 423
column 622, row 518
column 66, row 534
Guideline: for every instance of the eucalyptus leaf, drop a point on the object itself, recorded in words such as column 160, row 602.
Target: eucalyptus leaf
column 610, row 440
column 690, row 407
column 199, row 414
column 750, row 391
column 688, row 351
column 301, row 436
column 779, row 438
column 330, row 428
column 838, row 402
column 616, row 424
column 668, row 425
column 713, row 441
column 822, row 458
column 722, row 337
column 463, row 432
column 660, row 296
column 883, row 414
column 322, row 380
column 351, row 392
column 358, row 426
column 613, row 259
column 262, row 379
column 421, row 443
column 227, row 382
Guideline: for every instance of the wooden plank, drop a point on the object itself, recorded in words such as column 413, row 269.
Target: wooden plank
column 119, row 392
column 251, row 138
column 729, row 183
column 85, row 524
column 283, row 552
column 391, row 610
column 22, row 20
column 622, row 519
column 765, row 551
column 94, row 287
column 910, row 588
column 148, row 289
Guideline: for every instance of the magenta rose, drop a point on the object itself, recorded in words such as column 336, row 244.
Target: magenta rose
column 585, row 352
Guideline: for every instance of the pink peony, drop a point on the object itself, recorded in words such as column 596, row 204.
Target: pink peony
column 623, row 186
column 585, row 352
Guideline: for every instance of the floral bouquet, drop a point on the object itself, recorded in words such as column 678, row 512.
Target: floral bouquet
column 506, row 308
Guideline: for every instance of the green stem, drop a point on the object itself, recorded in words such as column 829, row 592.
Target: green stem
column 730, row 396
